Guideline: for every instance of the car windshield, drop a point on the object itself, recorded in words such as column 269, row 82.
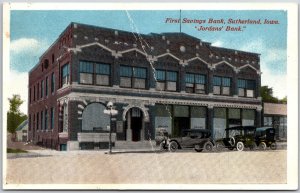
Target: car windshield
column 231, row 133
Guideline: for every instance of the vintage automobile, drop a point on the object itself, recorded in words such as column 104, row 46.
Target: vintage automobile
column 199, row 139
column 238, row 137
column 265, row 137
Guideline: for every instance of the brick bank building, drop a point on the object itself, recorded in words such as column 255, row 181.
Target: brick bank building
column 168, row 80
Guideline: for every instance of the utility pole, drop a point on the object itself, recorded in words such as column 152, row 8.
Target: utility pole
column 180, row 21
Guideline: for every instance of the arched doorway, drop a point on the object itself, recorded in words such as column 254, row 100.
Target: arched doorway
column 134, row 125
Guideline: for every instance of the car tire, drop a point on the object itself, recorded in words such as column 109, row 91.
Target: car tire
column 273, row 146
column 240, row 146
column 208, row 146
column 197, row 148
column 232, row 141
column 262, row 146
column 173, row 146
column 219, row 146
column 163, row 146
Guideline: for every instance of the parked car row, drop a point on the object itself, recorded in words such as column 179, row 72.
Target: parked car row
column 239, row 138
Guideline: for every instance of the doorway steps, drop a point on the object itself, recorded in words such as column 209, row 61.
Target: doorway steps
column 146, row 145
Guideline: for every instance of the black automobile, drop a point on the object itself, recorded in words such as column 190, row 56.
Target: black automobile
column 265, row 137
column 199, row 139
column 238, row 137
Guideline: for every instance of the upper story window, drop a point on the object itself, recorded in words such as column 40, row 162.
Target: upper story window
column 166, row 80
column 65, row 75
column 246, row 88
column 46, row 86
column 46, row 63
column 52, row 58
column 38, row 91
column 133, row 77
column 102, row 74
column 86, row 72
column 42, row 89
column 94, row 73
column 195, row 83
column 33, row 93
column 221, row 85
column 52, row 82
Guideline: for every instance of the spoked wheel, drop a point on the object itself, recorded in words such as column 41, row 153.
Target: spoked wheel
column 197, row 148
column 240, row 146
column 173, row 146
column 232, row 141
column 262, row 146
column 273, row 146
column 163, row 146
column 219, row 146
column 208, row 146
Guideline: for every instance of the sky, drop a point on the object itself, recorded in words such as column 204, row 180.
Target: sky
column 32, row 32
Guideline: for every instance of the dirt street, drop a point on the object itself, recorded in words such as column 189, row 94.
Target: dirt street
column 150, row 168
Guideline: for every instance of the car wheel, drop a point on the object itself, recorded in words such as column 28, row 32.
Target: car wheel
column 240, row 146
column 262, row 146
column 208, row 146
column 232, row 141
column 273, row 146
column 197, row 148
column 163, row 146
column 173, row 146
column 219, row 146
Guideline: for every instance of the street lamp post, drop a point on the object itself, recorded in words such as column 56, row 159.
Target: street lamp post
column 109, row 144
column 110, row 111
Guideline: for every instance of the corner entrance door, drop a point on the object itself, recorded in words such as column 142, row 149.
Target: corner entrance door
column 136, row 123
